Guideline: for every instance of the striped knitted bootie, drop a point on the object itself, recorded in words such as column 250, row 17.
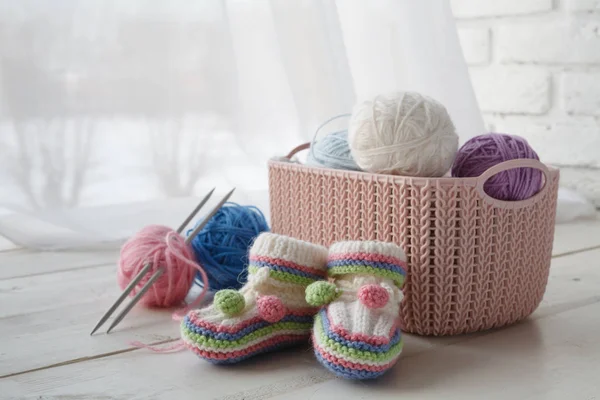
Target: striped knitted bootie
column 269, row 312
column 356, row 335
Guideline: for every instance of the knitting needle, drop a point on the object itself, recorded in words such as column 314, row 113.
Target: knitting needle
column 197, row 229
column 146, row 268
column 160, row 271
column 122, row 297
column 193, row 214
column 137, row 298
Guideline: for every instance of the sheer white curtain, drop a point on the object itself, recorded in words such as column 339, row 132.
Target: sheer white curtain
column 115, row 114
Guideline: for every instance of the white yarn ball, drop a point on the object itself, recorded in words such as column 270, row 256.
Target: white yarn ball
column 403, row 134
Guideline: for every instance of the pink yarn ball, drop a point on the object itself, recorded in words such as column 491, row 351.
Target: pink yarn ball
column 270, row 308
column 484, row 151
column 161, row 247
column 373, row 296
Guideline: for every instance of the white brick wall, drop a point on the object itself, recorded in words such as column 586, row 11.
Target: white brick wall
column 486, row 8
column 512, row 89
column 535, row 67
column 581, row 93
column 550, row 41
column 583, row 5
column 566, row 141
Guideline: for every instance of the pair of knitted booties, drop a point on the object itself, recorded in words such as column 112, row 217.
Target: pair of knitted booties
column 353, row 316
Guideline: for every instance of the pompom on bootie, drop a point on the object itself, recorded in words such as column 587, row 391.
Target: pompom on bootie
column 356, row 334
column 268, row 312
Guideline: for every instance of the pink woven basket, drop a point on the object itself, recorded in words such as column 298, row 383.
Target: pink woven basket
column 474, row 262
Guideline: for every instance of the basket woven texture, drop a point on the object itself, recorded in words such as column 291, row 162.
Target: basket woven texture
column 474, row 262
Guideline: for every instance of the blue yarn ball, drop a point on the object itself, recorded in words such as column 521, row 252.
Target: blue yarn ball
column 221, row 247
column 332, row 151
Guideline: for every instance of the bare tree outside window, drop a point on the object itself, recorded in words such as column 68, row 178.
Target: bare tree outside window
column 174, row 74
column 62, row 80
column 46, row 148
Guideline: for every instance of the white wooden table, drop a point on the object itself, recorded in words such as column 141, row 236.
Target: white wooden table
column 50, row 301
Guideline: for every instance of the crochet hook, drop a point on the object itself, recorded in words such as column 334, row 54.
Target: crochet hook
column 146, row 269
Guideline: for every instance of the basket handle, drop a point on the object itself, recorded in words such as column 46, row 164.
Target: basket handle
column 511, row 164
column 297, row 149
column 305, row 146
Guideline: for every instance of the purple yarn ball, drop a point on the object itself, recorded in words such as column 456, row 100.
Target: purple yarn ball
column 484, row 151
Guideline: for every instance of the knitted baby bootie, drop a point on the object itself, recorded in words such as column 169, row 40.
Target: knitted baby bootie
column 269, row 312
column 356, row 335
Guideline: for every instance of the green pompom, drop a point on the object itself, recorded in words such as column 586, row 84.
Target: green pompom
column 321, row 293
column 230, row 302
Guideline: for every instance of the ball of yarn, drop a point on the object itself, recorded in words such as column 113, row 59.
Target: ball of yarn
column 403, row 134
column 222, row 245
column 484, row 151
column 320, row 293
column 332, row 151
column 230, row 302
column 161, row 247
column 270, row 308
column 373, row 296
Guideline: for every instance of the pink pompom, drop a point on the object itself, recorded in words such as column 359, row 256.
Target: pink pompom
column 373, row 296
column 270, row 308
column 162, row 247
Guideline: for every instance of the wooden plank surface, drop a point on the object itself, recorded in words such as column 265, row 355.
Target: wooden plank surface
column 576, row 236
column 23, row 263
column 54, row 291
column 550, row 358
column 48, row 317
column 64, row 293
column 540, row 358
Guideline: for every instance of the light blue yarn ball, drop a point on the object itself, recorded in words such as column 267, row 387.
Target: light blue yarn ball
column 332, row 151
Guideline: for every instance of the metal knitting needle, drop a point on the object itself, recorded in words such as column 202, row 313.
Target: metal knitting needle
column 122, row 297
column 160, row 271
column 146, row 268
column 193, row 214
column 137, row 298
column 197, row 229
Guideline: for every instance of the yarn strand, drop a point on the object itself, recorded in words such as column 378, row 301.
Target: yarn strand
column 331, row 151
column 177, row 346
